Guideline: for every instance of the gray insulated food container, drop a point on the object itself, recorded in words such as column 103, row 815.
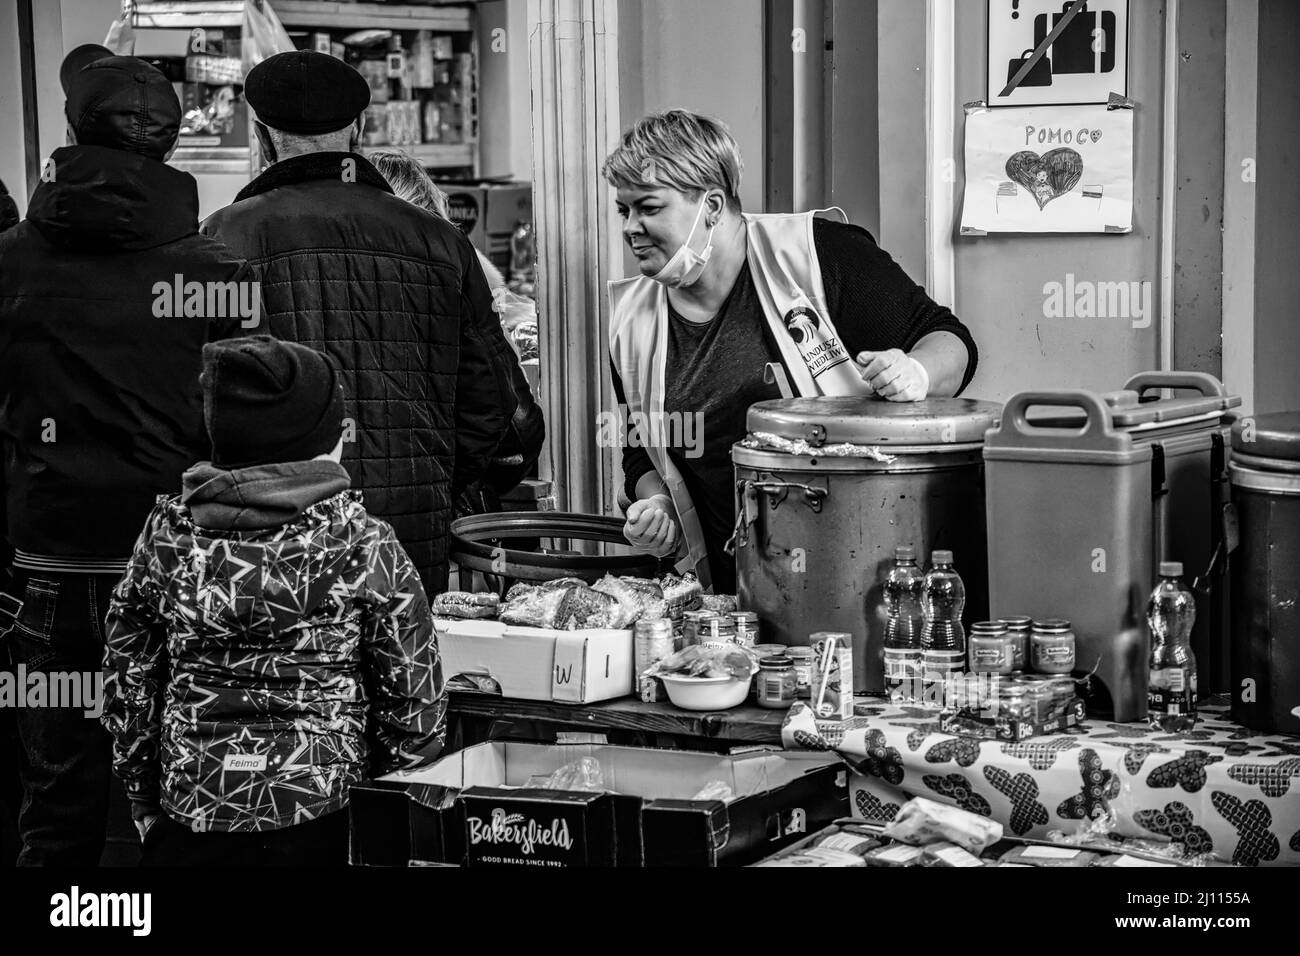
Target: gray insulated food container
column 826, row 488
column 1083, row 504
column 1265, row 572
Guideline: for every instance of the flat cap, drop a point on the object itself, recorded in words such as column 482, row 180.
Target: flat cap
column 122, row 102
column 78, row 59
column 306, row 92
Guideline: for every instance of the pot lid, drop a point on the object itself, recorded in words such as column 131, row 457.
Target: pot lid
column 865, row 420
column 1275, row 435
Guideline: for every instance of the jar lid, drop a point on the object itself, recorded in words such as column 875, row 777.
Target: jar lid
column 798, row 652
column 1275, row 435
column 748, row 617
column 699, row 615
column 1017, row 623
column 775, row 663
column 1052, row 625
column 865, row 420
column 988, row 628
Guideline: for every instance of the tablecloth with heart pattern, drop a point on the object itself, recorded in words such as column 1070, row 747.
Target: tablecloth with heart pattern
column 1217, row 789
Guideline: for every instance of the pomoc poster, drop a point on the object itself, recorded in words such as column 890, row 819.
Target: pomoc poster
column 1048, row 169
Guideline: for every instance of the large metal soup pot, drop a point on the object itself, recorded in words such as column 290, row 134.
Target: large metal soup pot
column 827, row 487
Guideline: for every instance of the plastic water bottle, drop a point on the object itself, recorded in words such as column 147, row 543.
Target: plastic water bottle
column 943, row 640
column 903, row 623
column 1171, row 612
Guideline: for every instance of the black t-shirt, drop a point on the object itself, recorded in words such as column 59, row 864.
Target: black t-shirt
column 715, row 368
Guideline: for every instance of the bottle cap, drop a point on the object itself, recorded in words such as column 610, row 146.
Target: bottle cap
column 905, row 554
column 1171, row 569
column 941, row 557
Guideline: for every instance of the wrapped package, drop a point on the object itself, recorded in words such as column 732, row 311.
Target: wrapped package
column 848, row 841
column 631, row 601
column 1048, row 856
column 682, row 593
column 923, row 821
column 948, row 854
column 706, row 660
column 583, row 607
column 583, row 774
column 815, row 856
column 898, row 854
column 465, row 605
column 718, row 603
column 532, row 607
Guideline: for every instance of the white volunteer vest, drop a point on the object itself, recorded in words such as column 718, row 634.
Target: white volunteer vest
column 784, row 265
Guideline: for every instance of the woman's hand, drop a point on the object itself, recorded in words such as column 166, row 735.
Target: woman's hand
column 651, row 526
column 895, row 375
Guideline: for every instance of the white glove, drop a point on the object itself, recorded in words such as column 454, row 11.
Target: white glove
column 651, row 526
column 895, row 375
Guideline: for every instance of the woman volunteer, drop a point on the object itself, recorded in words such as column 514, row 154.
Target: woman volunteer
column 721, row 295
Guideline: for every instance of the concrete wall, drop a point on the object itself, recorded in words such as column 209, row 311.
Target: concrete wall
column 1000, row 279
column 901, row 72
column 1277, row 206
column 706, row 57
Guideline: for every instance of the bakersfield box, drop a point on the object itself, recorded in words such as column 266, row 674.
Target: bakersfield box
column 471, row 807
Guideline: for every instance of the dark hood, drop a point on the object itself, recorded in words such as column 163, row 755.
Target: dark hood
column 106, row 200
column 261, row 497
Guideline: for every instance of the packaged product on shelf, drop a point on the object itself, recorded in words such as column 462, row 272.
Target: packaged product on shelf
column 375, row 130
column 465, row 605
column 216, row 70
column 1048, row 856
column 321, row 43
column 899, row 854
column 832, row 690
column 947, row 854
column 442, row 49
column 922, row 821
column 375, row 73
column 422, row 60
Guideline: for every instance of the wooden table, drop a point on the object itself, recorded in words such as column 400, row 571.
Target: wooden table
column 626, row 717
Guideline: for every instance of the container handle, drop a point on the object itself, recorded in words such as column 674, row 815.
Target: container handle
column 1202, row 382
column 1016, row 430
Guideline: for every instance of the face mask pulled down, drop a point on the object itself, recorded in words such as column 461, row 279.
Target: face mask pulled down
column 686, row 265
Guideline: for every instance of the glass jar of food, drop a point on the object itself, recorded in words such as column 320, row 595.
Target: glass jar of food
column 776, row 682
column 1052, row 694
column 692, row 630
column 719, row 629
column 990, row 649
column 1016, row 702
column 802, row 659
column 747, row 631
column 1052, row 646
column 1019, row 628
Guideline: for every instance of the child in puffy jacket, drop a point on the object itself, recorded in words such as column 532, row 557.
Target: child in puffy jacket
column 271, row 643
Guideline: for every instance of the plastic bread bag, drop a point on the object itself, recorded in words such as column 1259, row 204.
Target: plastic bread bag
column 682, row 592
column 718, row 603
column 706, row 660
column 581, row 607
column 533, row 607
column 463, row 604
column 716, row 790
column 630, row 602
column 582, row 774
column 922, row 821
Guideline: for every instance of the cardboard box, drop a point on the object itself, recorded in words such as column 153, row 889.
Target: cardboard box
column 469, row 808
column 535, row 663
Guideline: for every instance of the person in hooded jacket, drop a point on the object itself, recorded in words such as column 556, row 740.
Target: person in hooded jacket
column 100, row 410
column 271, row 643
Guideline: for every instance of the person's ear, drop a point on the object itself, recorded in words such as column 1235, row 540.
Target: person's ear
column 264, row 140
column 358, row 127
column 715, row 203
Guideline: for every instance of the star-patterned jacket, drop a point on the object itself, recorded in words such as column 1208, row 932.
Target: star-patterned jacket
column 254, row 676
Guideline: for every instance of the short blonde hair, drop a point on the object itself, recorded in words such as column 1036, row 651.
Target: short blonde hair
column 686, row 151
column 409, row 180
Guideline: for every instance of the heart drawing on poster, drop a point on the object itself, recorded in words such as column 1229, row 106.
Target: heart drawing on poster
column 1047, row 177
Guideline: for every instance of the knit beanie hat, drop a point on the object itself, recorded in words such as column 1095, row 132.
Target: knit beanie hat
column 267, row 400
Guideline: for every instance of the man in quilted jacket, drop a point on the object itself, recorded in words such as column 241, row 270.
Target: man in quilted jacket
column 389, row 290
column 271, row 643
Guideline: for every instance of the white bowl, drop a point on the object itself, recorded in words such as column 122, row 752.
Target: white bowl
column 705, row 693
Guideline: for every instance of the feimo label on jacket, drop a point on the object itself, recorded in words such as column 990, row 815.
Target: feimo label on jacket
column 820, row 351
column 251, row 763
